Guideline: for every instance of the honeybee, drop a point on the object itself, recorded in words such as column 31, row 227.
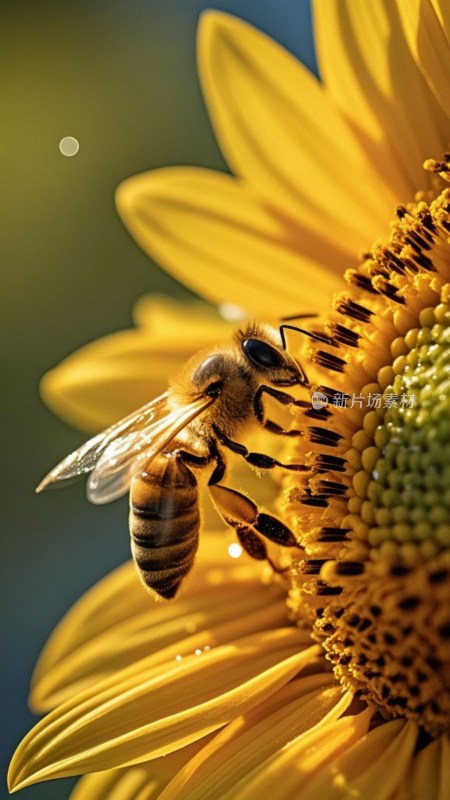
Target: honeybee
column 159, row 452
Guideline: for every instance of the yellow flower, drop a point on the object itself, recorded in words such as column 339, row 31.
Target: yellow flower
column 218, row 694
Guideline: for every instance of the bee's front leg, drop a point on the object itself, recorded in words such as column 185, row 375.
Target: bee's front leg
column 257, row 460
column 281, row 397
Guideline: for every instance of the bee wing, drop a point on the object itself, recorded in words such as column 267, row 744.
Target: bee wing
column 122, row 458
column 88, row 455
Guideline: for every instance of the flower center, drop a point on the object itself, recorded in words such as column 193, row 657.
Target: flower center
column 373, row 516
column 407, row 512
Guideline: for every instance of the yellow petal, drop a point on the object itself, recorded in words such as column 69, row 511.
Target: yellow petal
column 360, row 770
column 429, row 777
column 143, row 782
column 219, row 768
column 125, row 721
column 230, row 613
column 109, row 602
column 109, row 378
column 171, row 320
column 133, row 783
column 442, row 10
column 118, row 603
column 215, row 235
column 287, row 773
column 372, row 77
column 429, row 45
column 278, row 129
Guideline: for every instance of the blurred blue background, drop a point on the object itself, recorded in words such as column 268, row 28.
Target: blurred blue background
column 121, row 78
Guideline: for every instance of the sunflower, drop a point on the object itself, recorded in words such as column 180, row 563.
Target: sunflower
column 229, row 691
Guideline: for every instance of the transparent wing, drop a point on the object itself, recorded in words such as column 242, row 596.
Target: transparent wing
column 115, row 455
column 87, row 456
column 124, row 456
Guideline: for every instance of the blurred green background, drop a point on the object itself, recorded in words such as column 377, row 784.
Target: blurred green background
column 121, row 78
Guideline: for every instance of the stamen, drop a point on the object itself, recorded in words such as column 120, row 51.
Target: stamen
column 331, row 393
column 417, row 242
column 323, row 436
column 328, row 488
column 395, row 263
column 360, row 281
column 344, row 335
column 323, row 589
column 425, row 262
column 354, row 310
column 349, row 568
column 329, row 463
column 311, row 566
column 329, row 361
column 333, row 534
column 390, row 291
column 320, row 414
column 308, row 499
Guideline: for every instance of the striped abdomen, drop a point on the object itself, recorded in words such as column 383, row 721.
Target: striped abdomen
column 164, row 522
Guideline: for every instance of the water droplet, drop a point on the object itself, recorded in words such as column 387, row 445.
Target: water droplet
column 190, row 626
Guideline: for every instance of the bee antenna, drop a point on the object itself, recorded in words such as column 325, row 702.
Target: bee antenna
column 315, row 336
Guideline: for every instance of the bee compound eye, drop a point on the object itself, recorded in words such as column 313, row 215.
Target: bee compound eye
column 263, row 355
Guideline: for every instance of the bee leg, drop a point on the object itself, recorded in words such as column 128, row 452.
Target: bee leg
column 255, row 547
column 257, row 460
column 203, row 461
column 282, row 397
column 242, row 514
column 240, row 511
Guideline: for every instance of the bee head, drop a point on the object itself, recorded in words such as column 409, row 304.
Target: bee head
column 263, row 351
